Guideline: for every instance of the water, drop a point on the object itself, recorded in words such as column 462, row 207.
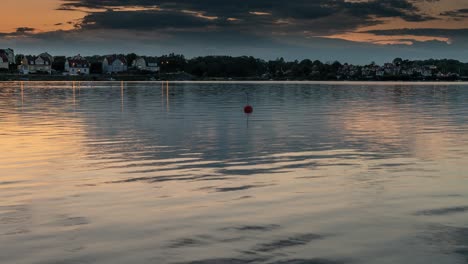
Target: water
column 319, row 173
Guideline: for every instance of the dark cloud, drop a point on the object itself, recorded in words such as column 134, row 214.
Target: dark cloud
column 456, row 14
column 24, row 29
column 142, row 20
column 388, row 8
column 299, row 13
column 21, row 31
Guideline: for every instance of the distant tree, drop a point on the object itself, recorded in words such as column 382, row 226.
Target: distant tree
column 280, row 69
column 336, row 65
column 59, row 63
column 95, row 68
column 18, row 59
column 130, row 58
column 94, row 59
column 305, row 67
column 172, row 63
column 398, row 61
column 277, row 68
column 13, row 67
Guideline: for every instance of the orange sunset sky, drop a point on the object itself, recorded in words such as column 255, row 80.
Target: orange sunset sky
column 236, row 26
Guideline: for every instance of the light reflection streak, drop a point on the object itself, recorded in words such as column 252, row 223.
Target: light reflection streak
column 165, row 94
column 162, row 95
column 22, row 96
column 74, row 95
column 122, row 96
column 167, row 97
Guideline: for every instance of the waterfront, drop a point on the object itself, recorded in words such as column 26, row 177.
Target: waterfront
column 156, row 172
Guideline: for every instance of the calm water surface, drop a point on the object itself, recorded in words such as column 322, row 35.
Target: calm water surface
column 319, row 173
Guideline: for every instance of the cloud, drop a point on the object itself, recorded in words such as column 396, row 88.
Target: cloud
column 143, row 20
column 388, row 8
column 260, row 17
column 21, row 31
column 265, row 18
column 456, row 14
column 440, row 32
column 267, row 28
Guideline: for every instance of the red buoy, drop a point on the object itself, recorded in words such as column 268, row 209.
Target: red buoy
column 248, row 109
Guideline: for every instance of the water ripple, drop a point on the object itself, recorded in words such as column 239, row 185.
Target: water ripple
column 142, row 172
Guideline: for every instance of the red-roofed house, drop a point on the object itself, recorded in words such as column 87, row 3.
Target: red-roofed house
column 77, row 66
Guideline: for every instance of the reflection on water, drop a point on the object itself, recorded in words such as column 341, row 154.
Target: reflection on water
column 173, row 173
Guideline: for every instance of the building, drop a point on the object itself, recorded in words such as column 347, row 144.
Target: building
column 7, row 57
column 10, row 54
column 77, row 66
column 380, row 72
column 114, row 64
column 146, row 64
column 48, row 56
column 35, row 64
column 4, row 63
column 427, row 70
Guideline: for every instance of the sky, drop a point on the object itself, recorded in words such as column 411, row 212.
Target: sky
column 355, row 31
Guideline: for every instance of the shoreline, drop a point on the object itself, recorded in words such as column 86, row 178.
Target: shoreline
column 185, row 78
column 351, row 83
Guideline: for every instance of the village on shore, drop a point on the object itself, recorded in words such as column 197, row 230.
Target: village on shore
column 176, row 67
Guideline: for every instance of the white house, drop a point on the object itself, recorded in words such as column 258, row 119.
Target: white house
column 35, row 64
column 48, row 56
column 77, row 66
column 7, row 57
column 148, row 64
column 114, row 64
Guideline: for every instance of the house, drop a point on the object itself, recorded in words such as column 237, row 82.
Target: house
column 407, row 72
column 47, row 55
column 370, row 71
column 146, row 64
column 4, row 63
column 7, row 57
column 426, row 71
column 114, row 64
column 35, row 64
column 77, row 66
column 380, row 72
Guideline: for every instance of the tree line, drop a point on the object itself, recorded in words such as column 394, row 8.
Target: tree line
column 278, row 69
